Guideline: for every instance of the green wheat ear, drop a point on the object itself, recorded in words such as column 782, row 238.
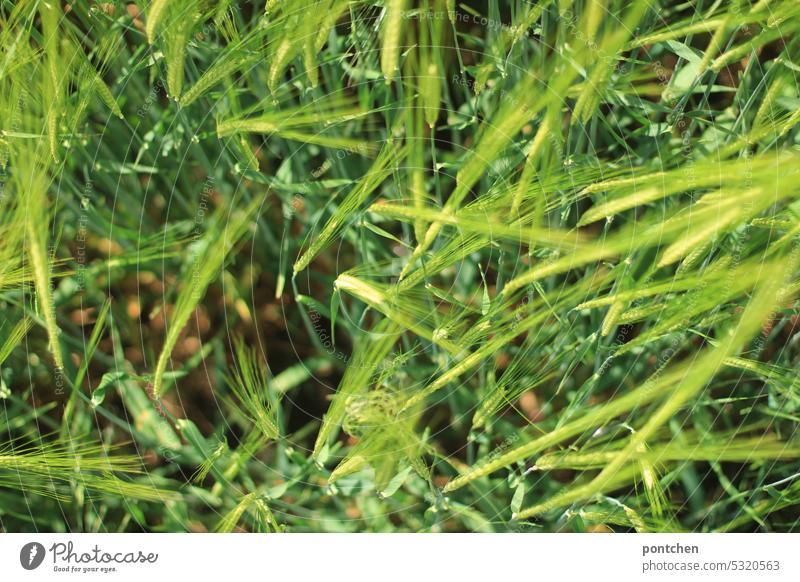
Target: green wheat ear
column 212, row 249
column 392, row 28
column 51, row 469
column 368, row 355
column 383, row 167
column 249, row 383
column 254, row 505
column 13, row 337
column 156, row 12
column 229, row 62
column 36, row 241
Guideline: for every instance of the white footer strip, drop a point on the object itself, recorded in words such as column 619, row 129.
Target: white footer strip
column 413, row 557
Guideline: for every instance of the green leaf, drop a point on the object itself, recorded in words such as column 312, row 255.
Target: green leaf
column 683, row 51
column 107, row 381
column 335, row 298
column 396, row 482
column 516, row 500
